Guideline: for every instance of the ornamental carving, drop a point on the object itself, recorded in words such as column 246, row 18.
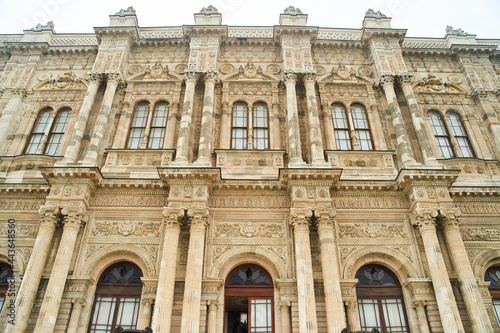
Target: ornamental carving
column 28, row 230
column 249, row 202
column 122, row 201
column 479, row 234
column 250, row 71
column 472, row 208
column 371, row 230
column 343, row 73
column 126, row 228
column 370, row 203
column 249, row 230
column 431, row 83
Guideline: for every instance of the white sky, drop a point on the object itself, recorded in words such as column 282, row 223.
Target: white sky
column 422, row 18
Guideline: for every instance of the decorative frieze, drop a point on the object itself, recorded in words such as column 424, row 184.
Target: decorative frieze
column 361, row 164
column 371, row 230
column 250, row 230
column 250, row 164
column 126, row 228
column 480, row 233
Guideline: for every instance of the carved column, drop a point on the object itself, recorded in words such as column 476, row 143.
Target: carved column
column 101, row 123
column 328, row 125
column 192, row 289
column 119, row 141
column 32, row 275
column 205, row 145
column 274, row 119
column 468, row 284
column 171, row 126
column 10, row 114
column 422, row 317
column 78, row 304
column 144, row 313
column 75, row 141
column 403, row 145
column 335, row 318
column 285, row 317
column 295, row 149
column 445, row 299
column 186, row 120
column 353, row 316
column 317, row 150
column 225, row 121
column 417, row 120
column 73, row 221
column 299, row 218
column 212, row 317
column 162, row 314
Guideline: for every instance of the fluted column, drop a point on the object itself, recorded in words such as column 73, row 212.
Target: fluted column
column 335, row 318
column 212, row 317
column 75, row 141
column 468, row 284
column 422, row 317
column 353, row 316
column 73, row 220
column 171, row 126
column 305, row 282
column 145, row 314
column 192, row 290
column 182, row 152
column 285, row 317
column 317, row 150
column 162, row 315
column 10, row 114
column 78, row 304
column 101, row 123
column 403, row 145
column 205, row 145
column 448, row 310
column 32, row 275
column 123, row 126
column 417, row 120
column 328, row 125
column 295, row 150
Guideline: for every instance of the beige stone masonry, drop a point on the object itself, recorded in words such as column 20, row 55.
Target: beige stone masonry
column 183, row 145
column 295, row 150
column 205, row 145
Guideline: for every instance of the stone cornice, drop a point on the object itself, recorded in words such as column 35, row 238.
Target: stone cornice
column 130, row 32
column 369, row 33
column 190, row 175
column 310, row 176
column 427, row 177
column 64, row 175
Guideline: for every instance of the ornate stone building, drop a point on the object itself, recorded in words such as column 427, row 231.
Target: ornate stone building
column 291, row 178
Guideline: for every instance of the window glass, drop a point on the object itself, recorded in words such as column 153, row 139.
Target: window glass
column 341, row 127
column 158, row 125
column 41, row 126
column 239, row 130
column 260, row 126
column 441, row 134
column 458, row 131
column 57, row 132
column 361, row 127
column 138, row 126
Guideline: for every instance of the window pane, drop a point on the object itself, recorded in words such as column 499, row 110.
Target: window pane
column 496, row 306
column 2, row 301
column 393, row 315
column 127, row 312
column 239, row 131
column 369, row 314
column 458, row 130
column 38, row 131
column 341, row 127
column 261, row 315
column 158, row 125
column 102, row 320
column 441, row 135
column 260, row 128
column 138, row 126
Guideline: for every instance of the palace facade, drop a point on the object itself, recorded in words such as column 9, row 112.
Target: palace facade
column 210, row 178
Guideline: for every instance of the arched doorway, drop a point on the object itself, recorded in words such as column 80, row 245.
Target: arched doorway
column 249, row 301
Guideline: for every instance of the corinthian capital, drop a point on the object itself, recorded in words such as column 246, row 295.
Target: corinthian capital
column 210, row 75
column 191, row 75
column 75, row 216
column 172, row 217
column 309, row 77
column 405, row 77
column 449, row 217
column 198, row 217
column 95, row 76
column 289, row 76
column 114, row 76
column 325, row 218
column 300, row 218
column 386, row 79
column 19, row 91
column 424, row 219
column 50, row 215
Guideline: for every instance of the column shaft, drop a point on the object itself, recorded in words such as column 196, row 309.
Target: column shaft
column 145, row 314
column 417, row 120
column 182, row 152
column 75, row 315
column 333, row 295
column 422, row 318
column 75, row 141
column 192, row 290
column 305, row 281
column 317, row 150
column 212, row 317
column 328, row 125
column 162, row 314
column 123, row 127
column 205, row 144
column 32, row 275
column 353, row 316
column 9, row 116
column 171, row 127
column 468, row 284
column 445, row 299
column 295, row 149
column 52, row 300
column 285, row 318
column 101, row 123
column 403, row 145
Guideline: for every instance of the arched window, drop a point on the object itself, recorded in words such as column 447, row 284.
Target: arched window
column 493, row 277
column 444, row 132
column 239, row 132
column 38, row 131
column 57, row 132
column 341, row 127
column 380, row 300
column 138, row 126
column 158, row 125
column 117, row 299
column 260, row 126
column 361, row 127
column 5, row 274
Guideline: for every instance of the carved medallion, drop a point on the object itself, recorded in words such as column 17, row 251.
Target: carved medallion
column 273, row 69
column 249, row 230
column 44, row 76
column 454, row 78
column 135, row 69
column 226, row 68
column 180, row 68
column 365, row 71
column 320, row 70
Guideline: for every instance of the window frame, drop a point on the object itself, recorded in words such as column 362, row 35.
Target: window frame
column 244, row 128
column 43, row 111
column 52, row 132
column 265, row 129
column 346, row 129
column 454, row 144
column 494, row 291
column 151, row 126
column 353, row 129
column 365, row 130
column 132, row 125
column 465, row 137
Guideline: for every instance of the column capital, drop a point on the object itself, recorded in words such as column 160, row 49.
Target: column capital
column 424, row 219
column 300, row 218
column 419, row 304
column 386, row 79
column 325, row 218
column 172, row 217
column 78, row 302
column 449, row 218
column 309, row 77
column 284, row 305
column 114, row 76
column 213, row 305
column 405, row 77
column 191, row 76
column 198, row 217
column 210, row 75
column 289, row 76
column 352, row 305
column 147, row 301
column 95, row 76
column 75, row 216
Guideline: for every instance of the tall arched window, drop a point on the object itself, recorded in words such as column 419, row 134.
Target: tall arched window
column 361, row 127
column 138, row 126
column 57, row 132
column 239, row 132
column 341, row 127
column 117, row 299
column 493, row 277
column 38, row 131
column 158, row 125
column 445, row 131
column 5, row 274
column 380, row 300
column 260, row 126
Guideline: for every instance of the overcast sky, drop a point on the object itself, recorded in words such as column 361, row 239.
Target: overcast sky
column 422, row 18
